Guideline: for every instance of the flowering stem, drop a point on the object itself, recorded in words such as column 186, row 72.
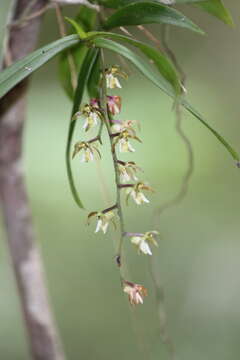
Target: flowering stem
column 107, row 121
column 120, row 186
column 109, row 209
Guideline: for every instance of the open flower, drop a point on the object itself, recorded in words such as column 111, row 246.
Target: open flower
column 88, row 151
column 103, row 220
column 136, row 193
column 135, row 292
column 143, row 241
column 91, row 114
column 123, row 141
column 128, row 125
column 111, row 77
column 128, row 170
column 114, row 104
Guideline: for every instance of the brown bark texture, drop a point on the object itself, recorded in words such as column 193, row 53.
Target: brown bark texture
column 24, row 252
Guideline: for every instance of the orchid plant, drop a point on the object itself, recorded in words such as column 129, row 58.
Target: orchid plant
column 83, row 70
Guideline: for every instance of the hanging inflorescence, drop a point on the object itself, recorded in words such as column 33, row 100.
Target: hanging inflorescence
column 122, row 134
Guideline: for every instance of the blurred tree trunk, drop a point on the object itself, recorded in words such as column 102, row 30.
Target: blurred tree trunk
column 24, row 252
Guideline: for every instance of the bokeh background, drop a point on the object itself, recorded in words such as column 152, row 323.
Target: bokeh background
column 198, row 259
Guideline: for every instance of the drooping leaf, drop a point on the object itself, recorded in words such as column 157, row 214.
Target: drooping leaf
column 115, row 4
column 162, row 63
column 217, row 9
column 94, row 80
column 213, row 7
column 161, row 83
column 149, row 13
column 71, row 60
column 83, row 77
column 187, row 1
column 21, row 69
column 75, row 55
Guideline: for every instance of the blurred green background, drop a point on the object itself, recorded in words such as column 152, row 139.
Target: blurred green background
column 198, row 258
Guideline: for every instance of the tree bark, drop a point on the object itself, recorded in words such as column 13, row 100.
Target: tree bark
column 24, row 252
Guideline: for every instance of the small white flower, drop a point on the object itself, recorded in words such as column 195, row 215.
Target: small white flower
column 136, row 193
column 87, row 149
column 112, row 81
column 90, row 121
column 127, row 170
column 125, row 146
column 127, row 125
column 142, row 241
column 103, row 220
column 123, row 141
column 141, row 244
column 114, row 104
column 135, row 292
column 91, row 113
column 137, row 196
column 111, row 77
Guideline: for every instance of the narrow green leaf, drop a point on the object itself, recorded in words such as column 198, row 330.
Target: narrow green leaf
column 160, row 60
column 149, row 13
column 115, row 4
column 77, row 54
column 161, row 83
column 83, row 77
column 21, row 69
column 187, row 1
column 77, row 27
column 217, row 9
column 94, row 80
column 81, row 24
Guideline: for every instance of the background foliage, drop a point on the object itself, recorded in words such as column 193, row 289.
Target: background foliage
column 198, row 253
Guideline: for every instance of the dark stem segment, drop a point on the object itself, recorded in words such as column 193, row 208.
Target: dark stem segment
column 24, row 252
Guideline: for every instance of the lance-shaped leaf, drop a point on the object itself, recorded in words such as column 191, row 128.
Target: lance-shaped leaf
column 71, row 60
column 161, row 83
column 148, row 13
column 21, row 69
column 213, row 7
column 217, row 9
column 94, row 80
column 83, row 77
column 160, row 60
column 115, row 4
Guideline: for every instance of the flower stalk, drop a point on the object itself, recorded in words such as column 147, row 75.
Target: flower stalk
column 107, row 122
